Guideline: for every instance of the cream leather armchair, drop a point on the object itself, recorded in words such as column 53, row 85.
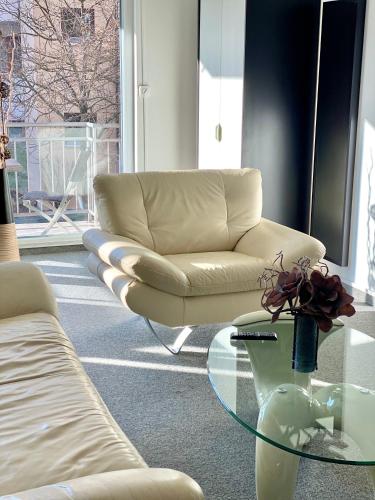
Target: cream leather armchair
column 187, row 247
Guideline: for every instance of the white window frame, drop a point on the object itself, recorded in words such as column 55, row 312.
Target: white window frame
column 127, row 115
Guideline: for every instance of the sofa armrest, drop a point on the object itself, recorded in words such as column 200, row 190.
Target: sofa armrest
column 23, row 290
column 132, row 484
column 268, row 238
column 136, row 261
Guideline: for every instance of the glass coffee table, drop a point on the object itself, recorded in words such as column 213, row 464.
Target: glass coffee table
column 327, row 415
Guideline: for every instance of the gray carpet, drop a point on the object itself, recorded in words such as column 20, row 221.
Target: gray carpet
column 165, row 403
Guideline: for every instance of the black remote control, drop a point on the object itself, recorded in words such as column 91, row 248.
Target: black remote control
column 254, row 336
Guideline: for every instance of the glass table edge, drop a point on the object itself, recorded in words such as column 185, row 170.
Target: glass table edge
column 268, row 440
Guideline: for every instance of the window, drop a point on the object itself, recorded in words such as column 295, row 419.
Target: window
column 66, row 95
column 76, row 22
column 75, row 133
column 6, row 49
column 80, row 117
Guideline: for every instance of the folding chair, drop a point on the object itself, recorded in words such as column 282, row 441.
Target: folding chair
column 57, row 204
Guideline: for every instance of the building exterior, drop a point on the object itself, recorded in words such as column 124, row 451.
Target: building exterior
column 65, row 94
column 66, row 64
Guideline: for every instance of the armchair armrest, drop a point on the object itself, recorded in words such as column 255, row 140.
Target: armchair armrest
column 268, row 238
column 132, row 484
column 23, row 290
column 136, row 261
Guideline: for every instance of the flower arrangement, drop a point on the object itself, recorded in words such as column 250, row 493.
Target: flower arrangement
column 4, row 139
column 8, row 238
column 305, row 290
column 6, row 95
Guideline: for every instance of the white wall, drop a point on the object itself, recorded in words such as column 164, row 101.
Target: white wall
column 222, row 45
column 167, row 116
column 361, row 269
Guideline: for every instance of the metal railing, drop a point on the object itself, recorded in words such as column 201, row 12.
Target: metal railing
column 44, row 156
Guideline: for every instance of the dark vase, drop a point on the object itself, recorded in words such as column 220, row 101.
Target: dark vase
column 305, row 344
column 8, row 237
column 6, row 210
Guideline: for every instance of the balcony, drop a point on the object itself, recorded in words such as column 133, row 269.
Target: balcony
column 51, row 174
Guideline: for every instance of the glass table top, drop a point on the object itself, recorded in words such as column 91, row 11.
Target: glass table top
column 326, row 415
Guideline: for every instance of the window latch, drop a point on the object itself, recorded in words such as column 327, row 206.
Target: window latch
column 143, row 91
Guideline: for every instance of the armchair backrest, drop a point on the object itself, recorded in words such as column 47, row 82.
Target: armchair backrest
column 181, row 211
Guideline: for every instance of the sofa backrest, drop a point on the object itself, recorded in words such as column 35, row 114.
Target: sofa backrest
column 181, row 211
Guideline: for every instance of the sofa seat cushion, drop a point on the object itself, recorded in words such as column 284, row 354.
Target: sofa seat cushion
column 211, row 273
column 54, row 425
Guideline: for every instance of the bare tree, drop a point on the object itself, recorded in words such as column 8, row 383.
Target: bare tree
column 67, row 58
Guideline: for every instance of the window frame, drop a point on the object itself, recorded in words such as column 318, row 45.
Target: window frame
column 72, row 22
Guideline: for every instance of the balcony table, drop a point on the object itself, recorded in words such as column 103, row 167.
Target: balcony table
column 13, row 166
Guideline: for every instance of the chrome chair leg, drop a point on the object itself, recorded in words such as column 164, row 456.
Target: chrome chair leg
column 179, row 342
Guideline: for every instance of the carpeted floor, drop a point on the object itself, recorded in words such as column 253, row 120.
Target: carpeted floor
column 165, row 403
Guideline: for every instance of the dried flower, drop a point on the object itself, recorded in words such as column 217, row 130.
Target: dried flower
column 286, row 290
column 326, row 299
column 305, row 291
column 7, row 153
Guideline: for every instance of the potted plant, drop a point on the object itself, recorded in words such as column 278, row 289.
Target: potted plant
column 309, row 294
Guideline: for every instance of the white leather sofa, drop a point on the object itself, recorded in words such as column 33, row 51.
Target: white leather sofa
column 187, row 247
column 58, row 441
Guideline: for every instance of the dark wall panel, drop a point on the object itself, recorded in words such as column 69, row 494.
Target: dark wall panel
column 282, row 39
column 339, row 81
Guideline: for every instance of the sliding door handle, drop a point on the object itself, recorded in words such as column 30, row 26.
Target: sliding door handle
column 218, row 132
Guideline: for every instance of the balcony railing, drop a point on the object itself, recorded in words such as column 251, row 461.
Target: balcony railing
column 53, row 165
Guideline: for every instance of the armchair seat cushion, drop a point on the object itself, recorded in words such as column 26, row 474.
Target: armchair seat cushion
column 211, row 273
column 205, row 273
column 184, row 275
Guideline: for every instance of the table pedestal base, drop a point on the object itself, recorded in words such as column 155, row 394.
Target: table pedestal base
column 290, row 416
column 276, row 472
